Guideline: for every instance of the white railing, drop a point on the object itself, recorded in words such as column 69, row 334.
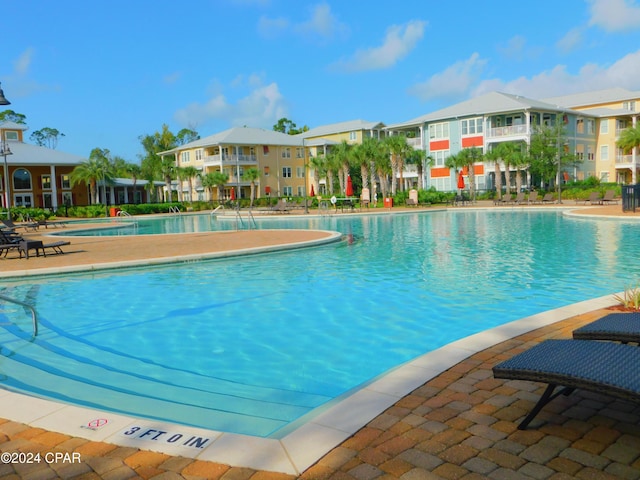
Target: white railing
column 624, row 159
column 230, row 159
column 415, row 142
column 508, row 131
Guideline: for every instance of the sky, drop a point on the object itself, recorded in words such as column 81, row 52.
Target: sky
column 104, row 73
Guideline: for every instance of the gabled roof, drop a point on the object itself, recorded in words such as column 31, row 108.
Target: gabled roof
column 242, row 136
column 13, row 126
column 488, row 104
column 27, row 154
column 342, row 127
column 597, row 97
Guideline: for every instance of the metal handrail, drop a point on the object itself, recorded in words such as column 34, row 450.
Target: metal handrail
column 175, row 210
column 216, row 209
column 34, row 315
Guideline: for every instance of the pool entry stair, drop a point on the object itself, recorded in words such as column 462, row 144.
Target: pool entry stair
column 73, row 370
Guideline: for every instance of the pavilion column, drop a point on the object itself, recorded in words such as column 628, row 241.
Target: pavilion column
column 54, row 188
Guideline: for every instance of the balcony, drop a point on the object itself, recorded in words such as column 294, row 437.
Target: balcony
column 415, row 142
column 510, row 131
column 624, row 160
column 222, row 159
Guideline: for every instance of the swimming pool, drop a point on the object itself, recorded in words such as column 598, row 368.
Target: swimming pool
column 250, row 345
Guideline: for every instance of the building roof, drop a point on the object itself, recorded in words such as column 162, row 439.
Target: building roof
column 342, row 127
column 27, row 154
column 13, row 126
column 597, row 97
column 487, row 104
column 242, row 136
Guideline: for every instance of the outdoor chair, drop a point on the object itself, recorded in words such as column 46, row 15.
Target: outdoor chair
column 548, row 198
column 33, row 226
column 609, row 198
column 594, row 199
column 602, row 367
column 56, row 246
column 506, row 198
column 520, row 199
column 615, row 327
column 533, row 198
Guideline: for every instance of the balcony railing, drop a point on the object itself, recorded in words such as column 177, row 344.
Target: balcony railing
column 415, row 142
column 509, row 131
column 624, row 159
column 222, row 159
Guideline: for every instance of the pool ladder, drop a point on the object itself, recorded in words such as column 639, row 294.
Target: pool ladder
column 34, row 315
column 175, row 210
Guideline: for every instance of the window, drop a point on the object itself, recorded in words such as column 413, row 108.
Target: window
column 286, row 172
column 604, row 126
column 185, row 157
column 287, row 191
column 299, row 172
column 47, row 200
column 10, row 135
column 265, row 150
column 46, row 182
column 67, row 198
column 591, row 126
column 65, row 181
column 439, row 157
column 631, row 105
column 299, row 152
column 472, row 126
column 438, row 131
column 353, row 135
column 590, row 155
column 301, row 191
column 21, row 179
column 604, row 177
column 266, row 171
column 604, row 152
column 199, row 155
column 286, row 152
column 580, row 125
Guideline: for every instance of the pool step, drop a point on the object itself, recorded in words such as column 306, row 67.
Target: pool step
column 102, row 383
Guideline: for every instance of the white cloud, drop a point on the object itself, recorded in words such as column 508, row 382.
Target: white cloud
column 514, row 47
column 398, row 43
column 455, row 81
column 23, row 62
column 322, row 23
column 271, row 27
column 262, row 106
column 570, row 41
column 614, row 15
column 172, row 78
column 624, row 73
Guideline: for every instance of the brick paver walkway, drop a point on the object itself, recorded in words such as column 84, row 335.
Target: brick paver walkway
column 459, row 425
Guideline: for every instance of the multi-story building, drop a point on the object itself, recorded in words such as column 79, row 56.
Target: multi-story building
column 38, row 177
column 488, row 120
column 279, row 158
column 615, row 109
column 319, row 140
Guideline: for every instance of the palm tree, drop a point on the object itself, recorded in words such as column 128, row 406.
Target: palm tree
column 319, row 164
column 383, row 168
column 190, row 173
column 168, row 171
column 215, row 179
column 398, row 149
column 419, row 158
column 88, row 172
column 333, row 165
column 342, row 155
column 629, row 139
column 251, row 175
column 134, row 171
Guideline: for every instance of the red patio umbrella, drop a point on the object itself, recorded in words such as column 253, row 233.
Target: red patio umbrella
column 312, row 193
column 233, row 194
column 349, row 190
column 460, row 181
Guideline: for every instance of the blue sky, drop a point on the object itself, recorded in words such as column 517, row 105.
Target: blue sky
column 106, row 72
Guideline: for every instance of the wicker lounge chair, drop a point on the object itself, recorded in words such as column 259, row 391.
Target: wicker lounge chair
column 615, row 327
column 594, row 199
column 609, row 198
column 27, row 226
column 548, row 198
column 533, row 198
column 575, row 364
column 56, row 246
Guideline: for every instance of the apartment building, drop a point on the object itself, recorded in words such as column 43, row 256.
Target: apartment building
column 488, row 120
column 37, row 177
column 615, row 110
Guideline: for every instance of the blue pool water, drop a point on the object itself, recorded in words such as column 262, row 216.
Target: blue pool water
column 249, row 345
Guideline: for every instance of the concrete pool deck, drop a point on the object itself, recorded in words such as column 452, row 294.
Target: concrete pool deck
column 440, row 416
